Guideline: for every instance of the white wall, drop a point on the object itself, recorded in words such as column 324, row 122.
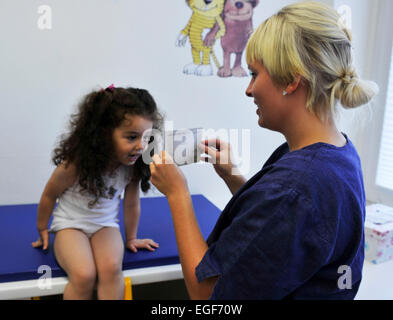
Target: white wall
column 93, row 43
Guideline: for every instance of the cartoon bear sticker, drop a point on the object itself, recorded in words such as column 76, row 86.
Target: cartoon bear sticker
column 237, row 17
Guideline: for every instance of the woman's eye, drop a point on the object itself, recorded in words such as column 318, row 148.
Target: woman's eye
column 253, row 74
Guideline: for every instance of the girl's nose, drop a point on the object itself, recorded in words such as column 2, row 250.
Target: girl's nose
column 141, row 145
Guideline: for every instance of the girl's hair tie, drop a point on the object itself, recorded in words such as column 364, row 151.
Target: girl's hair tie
column 111, row 88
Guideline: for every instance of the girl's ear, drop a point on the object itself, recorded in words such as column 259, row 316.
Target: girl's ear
column 291, row 88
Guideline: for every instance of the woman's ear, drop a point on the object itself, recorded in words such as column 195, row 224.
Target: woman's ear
column 291, row 88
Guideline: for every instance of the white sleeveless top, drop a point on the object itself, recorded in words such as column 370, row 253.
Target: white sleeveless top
column 73, row 209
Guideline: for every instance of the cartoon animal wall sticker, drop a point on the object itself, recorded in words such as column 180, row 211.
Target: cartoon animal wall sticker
column 205, row 14
column 228, row 20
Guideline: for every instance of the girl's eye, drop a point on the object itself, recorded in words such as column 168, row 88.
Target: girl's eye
column 131, row 138
column 253, row 74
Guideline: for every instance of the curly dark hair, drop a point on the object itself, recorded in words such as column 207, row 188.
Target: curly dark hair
column 89, row 145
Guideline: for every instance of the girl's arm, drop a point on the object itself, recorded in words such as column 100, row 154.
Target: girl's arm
column 131, row 212
column 62, row 178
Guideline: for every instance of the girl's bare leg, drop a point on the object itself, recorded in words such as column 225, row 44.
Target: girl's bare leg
column 74, row 254
column 108, row 251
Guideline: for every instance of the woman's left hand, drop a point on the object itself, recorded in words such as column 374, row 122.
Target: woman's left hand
column 136, row 244
column 166, row 175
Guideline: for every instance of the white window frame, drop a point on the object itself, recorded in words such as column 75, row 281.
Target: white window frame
column 381, row 39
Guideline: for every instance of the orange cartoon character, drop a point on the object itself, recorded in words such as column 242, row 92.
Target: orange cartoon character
column 206, row 13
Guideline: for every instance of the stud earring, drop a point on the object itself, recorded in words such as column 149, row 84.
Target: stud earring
column 284, row 93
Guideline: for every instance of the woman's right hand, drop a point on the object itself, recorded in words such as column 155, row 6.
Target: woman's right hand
column 43, row 240
column 220, row 156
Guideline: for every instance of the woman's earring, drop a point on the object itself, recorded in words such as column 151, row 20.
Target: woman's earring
column 284, row 93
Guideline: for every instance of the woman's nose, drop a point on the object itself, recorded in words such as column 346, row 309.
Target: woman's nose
column 249, row 91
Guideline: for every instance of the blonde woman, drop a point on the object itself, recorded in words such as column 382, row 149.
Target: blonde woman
column 295, row 228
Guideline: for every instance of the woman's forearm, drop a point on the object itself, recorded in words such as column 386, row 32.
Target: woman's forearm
column 234, row 182
column 190, row 242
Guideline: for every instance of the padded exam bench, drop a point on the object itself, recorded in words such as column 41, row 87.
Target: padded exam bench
column 19, row 262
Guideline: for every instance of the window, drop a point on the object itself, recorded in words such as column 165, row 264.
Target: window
column 385, row 162
column 375, row 138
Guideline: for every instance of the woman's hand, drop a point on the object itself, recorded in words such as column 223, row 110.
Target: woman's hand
column 220, row 156
column 43, row 240
column 135, row 244
column 166, row 176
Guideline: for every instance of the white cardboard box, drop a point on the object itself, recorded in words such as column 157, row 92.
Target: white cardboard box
column 378, row 231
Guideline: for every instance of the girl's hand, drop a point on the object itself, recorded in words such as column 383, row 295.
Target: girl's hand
column 166, row 176
column 43, row 240
column 220, row 156
column 136, row 244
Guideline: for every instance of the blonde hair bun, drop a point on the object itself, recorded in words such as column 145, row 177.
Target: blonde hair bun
column 355, row 92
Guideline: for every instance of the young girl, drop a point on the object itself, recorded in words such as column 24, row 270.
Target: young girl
column 96, row 162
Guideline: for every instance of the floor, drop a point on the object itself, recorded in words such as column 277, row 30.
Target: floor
column 167, row 290
column 377, row 281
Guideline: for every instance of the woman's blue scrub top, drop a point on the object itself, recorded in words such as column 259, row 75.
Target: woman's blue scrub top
column 294, row 231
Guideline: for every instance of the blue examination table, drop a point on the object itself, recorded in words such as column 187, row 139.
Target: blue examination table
column 19, row 262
